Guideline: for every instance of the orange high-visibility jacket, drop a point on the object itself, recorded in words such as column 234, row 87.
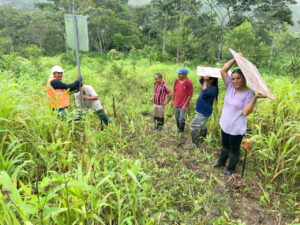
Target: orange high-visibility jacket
column 59, row 98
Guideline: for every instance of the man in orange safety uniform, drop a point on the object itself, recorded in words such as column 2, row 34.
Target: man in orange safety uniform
column 58, row 92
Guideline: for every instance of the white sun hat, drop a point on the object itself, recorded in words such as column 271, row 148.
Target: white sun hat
column 56, row 69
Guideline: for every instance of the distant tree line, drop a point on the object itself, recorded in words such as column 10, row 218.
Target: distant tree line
column 166, row 30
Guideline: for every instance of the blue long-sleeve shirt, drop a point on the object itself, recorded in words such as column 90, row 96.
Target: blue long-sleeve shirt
column 205, row 100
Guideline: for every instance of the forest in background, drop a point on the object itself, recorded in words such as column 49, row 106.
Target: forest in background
column 173, row 30
column 29, row 4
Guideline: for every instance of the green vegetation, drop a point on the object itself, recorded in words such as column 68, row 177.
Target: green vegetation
column 55, row 173
column 177, row 31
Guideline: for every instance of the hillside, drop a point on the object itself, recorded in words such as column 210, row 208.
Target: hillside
column 20, row 3
column 58, row 173
column 30, row 4
column 138, row 2
column 61, row 164
column 295, row 9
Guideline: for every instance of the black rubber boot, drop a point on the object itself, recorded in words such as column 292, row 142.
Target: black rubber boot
column 155, row 123
column 160, row 123
column 234, row 159
column 203, row 133
column 222, row 159
column 195, row 137
column 181, row 127
column 228, row 172
column 177, row 123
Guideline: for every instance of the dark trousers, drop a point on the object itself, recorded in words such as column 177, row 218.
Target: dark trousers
column 180, row 118
column 101, row 114
column 230, row 148
column 159, row 121
column 62, row 113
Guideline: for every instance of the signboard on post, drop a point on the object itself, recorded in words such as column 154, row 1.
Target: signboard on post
column 77, row 38
column 82, row 29
column 252, row 75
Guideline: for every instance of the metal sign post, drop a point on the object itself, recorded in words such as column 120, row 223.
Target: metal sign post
column 77, row 59
column 77, row 38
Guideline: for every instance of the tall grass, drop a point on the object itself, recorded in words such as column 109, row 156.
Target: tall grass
column 58, row 173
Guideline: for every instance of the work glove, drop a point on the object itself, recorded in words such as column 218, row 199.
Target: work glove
column 79, row 78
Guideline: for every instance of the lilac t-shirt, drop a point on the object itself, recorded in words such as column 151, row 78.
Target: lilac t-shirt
column 232, row 120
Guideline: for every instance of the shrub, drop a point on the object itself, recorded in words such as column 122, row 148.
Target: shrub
column 243, row 39
column 113, row 54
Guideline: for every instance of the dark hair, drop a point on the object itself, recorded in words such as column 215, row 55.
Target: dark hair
column 215, row 83
column 159, row 75
column 239, row 71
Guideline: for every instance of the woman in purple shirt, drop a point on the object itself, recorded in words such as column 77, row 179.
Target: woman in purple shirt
column 238, row 104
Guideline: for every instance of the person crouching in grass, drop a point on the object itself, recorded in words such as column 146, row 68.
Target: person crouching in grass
column 91, row 101
column 162, row 96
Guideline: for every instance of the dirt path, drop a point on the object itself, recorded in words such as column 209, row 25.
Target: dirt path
column 242, row 196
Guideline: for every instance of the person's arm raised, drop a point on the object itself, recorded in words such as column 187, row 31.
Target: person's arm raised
column 204, row 84
column 57, row 84
column 225, row 69
column 249, row 108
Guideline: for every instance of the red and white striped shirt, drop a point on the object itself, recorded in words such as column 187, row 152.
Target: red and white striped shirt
column 160, row 92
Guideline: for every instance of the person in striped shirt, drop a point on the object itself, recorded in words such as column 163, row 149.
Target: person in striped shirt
column 162, row 96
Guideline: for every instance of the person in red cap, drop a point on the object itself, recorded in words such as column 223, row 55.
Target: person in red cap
column 183, row 91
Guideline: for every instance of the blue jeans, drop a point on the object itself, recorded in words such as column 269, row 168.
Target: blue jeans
column 180, row 118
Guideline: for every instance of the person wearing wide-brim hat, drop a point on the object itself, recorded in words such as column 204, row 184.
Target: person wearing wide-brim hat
column 183, row 91
column 58, row 92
